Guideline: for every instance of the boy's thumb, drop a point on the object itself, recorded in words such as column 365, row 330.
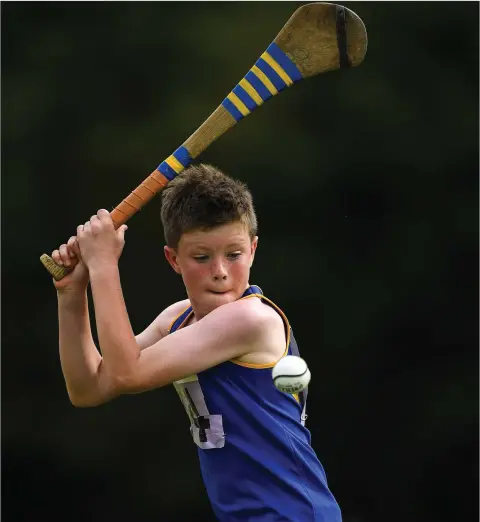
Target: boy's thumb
column 122, row 230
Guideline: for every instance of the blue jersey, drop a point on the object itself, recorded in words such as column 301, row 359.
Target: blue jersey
column 254, row 449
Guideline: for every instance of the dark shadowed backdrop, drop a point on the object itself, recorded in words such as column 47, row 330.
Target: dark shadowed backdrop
column 366, row 188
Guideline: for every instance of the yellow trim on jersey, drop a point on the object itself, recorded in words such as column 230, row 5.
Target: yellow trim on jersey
column 287, row 326
column 246, row 365
column 176, row 318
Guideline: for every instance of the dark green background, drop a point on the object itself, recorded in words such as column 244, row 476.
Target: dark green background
column 366, row 188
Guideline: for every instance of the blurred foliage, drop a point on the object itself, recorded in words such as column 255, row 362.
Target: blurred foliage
column 366, row 188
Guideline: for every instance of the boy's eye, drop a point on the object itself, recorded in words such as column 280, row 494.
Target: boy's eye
column 201, row 258
column 234, row 255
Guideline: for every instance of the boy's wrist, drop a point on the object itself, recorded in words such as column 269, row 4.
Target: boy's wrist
column 102, row 269
column 71, row 296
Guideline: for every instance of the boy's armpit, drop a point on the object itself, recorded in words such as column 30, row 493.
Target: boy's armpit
column 158, row 328
column 226, row 333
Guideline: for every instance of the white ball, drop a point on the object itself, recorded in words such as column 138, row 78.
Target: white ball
column 291, row 374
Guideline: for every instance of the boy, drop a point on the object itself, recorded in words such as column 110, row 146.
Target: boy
column 217, row 347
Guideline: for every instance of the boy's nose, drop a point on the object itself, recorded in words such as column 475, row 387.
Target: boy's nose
column 219, row 271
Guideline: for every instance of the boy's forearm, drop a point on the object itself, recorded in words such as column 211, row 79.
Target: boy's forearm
column 116, row 338
column 79, row 356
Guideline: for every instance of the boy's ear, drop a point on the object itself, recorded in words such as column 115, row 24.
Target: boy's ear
column 172, row 258
column 254, row 248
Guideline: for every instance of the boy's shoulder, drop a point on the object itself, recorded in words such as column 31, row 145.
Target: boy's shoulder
column 246, row 330
column 160, row 326
column 249, row 312
column 168, row 316
column 257, row 323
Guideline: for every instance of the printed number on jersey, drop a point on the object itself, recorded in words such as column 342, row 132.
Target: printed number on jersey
column 206, row 429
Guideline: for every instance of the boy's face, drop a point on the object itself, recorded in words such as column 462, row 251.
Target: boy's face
column 214, row 264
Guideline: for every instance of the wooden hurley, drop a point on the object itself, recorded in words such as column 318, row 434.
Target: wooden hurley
column 318, row 37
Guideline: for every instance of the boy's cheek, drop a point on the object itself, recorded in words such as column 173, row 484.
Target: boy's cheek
column 241, row 272
column 195, row 275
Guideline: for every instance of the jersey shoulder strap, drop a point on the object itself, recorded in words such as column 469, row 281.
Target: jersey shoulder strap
column 292, row 347
column 303, row 394
column 180, row 320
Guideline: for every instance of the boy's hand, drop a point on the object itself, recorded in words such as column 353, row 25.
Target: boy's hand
column 100, row 243
column 68, row 255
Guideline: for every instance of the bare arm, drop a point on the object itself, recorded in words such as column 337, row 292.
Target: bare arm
column 125, row 368
column 79, row 357
column 202, row 345
column 82, row 365
column 158, row 328
column 115, row 334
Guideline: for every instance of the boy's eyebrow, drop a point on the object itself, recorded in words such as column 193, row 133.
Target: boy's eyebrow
column 239, row 243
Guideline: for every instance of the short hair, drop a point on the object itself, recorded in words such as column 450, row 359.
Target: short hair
column 202, row 197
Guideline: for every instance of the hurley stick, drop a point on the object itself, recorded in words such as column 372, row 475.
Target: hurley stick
column 319, row 37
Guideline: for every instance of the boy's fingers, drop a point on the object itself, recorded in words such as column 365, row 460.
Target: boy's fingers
column 71, row 246
column 64, row 254
column 121, row 231
column 76, row 249
column 104, row 216
column 56, row 257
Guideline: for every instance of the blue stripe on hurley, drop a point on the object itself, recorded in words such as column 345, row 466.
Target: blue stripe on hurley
column 183, row 156
column 257, row 84
column 166, row 170
column 284, row 61
column 232, row 109
column 271, row 74
column 245, row 98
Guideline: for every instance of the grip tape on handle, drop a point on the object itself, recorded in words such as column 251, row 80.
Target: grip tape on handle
column 56, row 271
column 137, row 199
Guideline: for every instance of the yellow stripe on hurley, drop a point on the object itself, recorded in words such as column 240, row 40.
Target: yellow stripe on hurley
column 263, row 78
column 238, row 103
column 272, row 72
column 276, row 67
column 249, row 89
column 174, row 164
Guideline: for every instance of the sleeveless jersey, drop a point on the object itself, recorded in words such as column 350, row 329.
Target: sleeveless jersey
column 256, row 460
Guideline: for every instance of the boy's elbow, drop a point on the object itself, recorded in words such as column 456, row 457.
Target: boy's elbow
column 82, row 404
column 79, row 401
column 82, row 401
column 89, row 400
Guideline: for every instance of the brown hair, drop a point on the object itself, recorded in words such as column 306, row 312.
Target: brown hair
column 203, row 197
